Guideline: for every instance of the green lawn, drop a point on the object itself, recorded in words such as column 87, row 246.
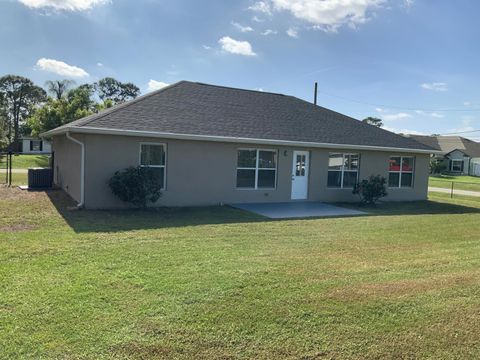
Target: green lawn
column 26, row 161
column 17, row 179
column 217, row 283
column 460, row 182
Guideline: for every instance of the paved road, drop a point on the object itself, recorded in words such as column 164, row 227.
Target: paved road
column 455, row 192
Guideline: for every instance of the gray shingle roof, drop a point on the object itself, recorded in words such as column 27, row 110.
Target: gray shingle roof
column 447, row 144
column 200, row 109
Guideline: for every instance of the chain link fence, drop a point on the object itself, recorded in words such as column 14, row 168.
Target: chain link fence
column 14, row 166
column 453, row 187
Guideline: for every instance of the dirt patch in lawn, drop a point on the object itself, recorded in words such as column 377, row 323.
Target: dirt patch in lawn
column 18, row 227
column 403, row 288
column 447, row 333
column 14, row 193
column 137, row 350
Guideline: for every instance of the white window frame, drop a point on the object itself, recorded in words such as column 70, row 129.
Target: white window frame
column 452, row 161
column 256, row 168
column 164, row 166
column 342, row 170
column 402, row 172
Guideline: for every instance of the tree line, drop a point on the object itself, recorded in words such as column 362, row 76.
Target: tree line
column 27, row 109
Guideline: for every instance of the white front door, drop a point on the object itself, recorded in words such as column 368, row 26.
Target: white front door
column 300, row 175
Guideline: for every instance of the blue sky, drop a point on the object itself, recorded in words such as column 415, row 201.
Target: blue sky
column 413, row 63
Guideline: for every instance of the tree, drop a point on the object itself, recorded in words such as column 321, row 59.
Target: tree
column 59, row 88
column 19, row 97
column 76, row 104
column 437, row 166
column 373, row 121
column 116, row 91
column 3, row 125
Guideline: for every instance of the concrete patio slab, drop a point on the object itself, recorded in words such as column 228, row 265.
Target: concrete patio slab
column 297, row 210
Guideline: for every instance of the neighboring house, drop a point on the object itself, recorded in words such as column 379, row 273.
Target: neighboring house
column 214, row 144
column 460, row 156
column 31, row 145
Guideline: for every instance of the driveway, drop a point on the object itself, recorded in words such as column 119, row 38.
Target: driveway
column 302, row 209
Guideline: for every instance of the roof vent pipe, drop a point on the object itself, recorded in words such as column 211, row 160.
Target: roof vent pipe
column 315, row 94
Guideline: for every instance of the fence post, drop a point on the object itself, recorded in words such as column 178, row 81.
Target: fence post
column 52, row 167
column 6, row 168
column 451, row 194
column 10, row 177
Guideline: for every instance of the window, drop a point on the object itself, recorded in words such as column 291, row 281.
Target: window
column 400, row 171
column 153, row 155
column 456, row 165
column 343, row 170
column 300, row 165
column 36, row 145
column 256, row 169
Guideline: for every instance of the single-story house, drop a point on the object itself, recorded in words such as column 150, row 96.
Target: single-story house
column 32, row 145
column 214, row 144
column 459, row 155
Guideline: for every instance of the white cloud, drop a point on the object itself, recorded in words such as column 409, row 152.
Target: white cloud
column 394, row 117
column 403, row 131
column 292, row 32
column 60, row 68
column 156, row 85
column 69, row 5
column 269, row 32
column 262, row 7
column 99, row 64
column 236, row 46
column 257, row 19
column 435, row 86
column 329, row 15
column 206, row 47
column 432, row 114
column 466, row 126
column 408, row 3
column 380, row 110
column 241, row 27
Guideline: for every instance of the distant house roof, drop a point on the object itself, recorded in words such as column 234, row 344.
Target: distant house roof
column 447, row 144
column 209, row 112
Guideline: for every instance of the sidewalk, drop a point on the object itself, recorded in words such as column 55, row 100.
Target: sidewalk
column 15, row 171
column 455, row 192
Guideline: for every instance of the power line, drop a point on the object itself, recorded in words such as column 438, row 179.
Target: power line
column 396, row 107
column 461, row 132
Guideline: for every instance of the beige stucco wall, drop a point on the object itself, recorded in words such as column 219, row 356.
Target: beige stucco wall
column 204, row 173
column 67, row 165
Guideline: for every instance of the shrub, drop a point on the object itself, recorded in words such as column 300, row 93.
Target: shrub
column 437, row 166
column 136, row 185
column 372, row 189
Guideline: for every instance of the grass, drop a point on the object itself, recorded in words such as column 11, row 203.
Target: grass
column 17, row 179
column 26, row 161
column 460, row 182
column 221, row 283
